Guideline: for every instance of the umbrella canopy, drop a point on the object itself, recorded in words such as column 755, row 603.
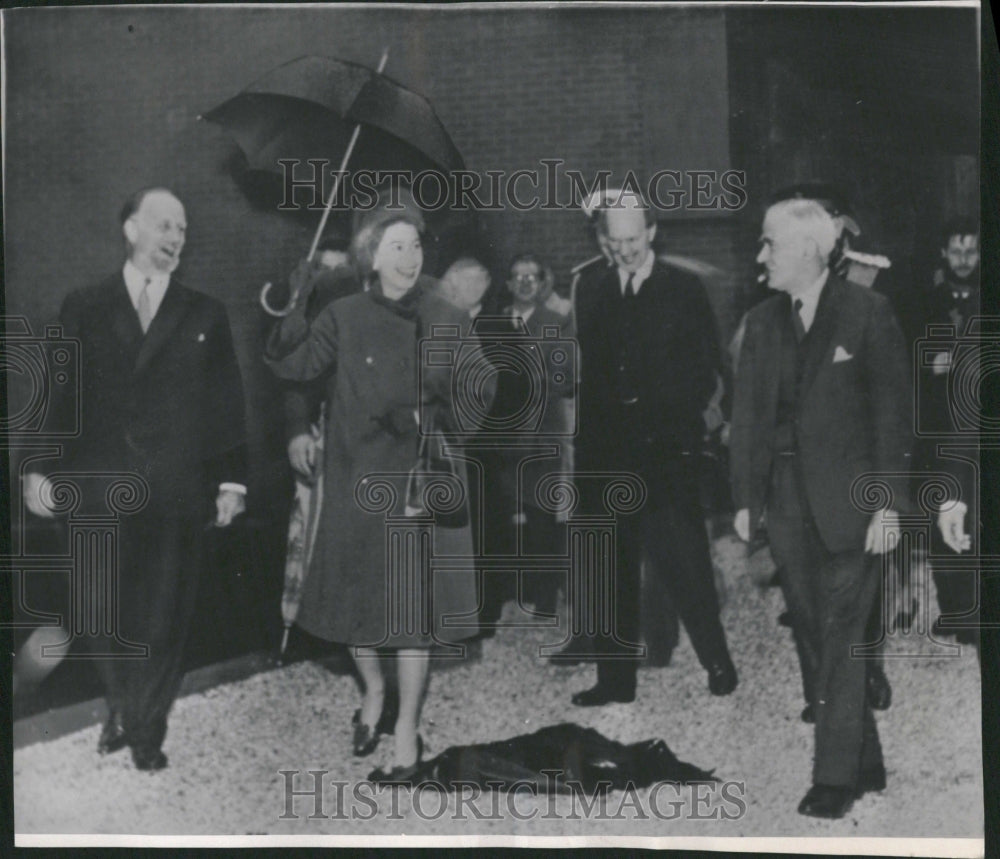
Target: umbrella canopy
column 309, row 107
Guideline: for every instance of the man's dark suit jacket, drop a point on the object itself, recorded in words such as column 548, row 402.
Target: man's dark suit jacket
column 516, row 392
column 678, row 345
column 854, row 413
column 167, row 406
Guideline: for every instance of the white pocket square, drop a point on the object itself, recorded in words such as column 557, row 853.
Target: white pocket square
column 841, row 354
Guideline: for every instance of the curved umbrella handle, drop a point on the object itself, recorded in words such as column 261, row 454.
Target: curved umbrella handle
column 271, row 311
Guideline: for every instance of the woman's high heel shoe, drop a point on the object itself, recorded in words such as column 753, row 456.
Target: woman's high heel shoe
column 365, row 739
column 399, row 775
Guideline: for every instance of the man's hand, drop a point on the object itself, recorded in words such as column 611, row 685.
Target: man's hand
column 883, row 532
column 36, row 490
column 951, row 522
column 228, row 504
column 302, row 454
column 741, row 523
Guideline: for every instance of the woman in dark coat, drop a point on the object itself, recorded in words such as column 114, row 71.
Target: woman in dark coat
column 360, row 590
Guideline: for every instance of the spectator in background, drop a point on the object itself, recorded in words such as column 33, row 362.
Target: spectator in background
column 951, row 300
column 464, row 285
column 526, row 412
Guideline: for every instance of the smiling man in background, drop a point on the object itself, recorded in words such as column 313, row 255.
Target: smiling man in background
column 649, row 358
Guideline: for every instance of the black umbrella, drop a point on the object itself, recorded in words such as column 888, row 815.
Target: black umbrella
column 325, row 108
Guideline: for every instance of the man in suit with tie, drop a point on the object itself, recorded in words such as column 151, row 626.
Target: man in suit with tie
column 525, row 417
column 649, row 357
column 822, row 409
column 162, row 398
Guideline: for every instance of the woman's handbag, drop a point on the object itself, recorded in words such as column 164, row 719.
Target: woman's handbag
column 436, row 483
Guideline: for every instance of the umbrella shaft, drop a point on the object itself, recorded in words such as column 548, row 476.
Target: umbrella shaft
column 343, row 167
column 333, row 192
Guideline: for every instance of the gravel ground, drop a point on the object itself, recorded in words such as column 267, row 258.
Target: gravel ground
column 227, row 746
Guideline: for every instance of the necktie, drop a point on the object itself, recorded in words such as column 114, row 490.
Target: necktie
column 800, row 328
column 144, row 308
column 629, row 287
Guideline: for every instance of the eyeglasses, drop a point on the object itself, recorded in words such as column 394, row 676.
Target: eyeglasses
column 526, row 278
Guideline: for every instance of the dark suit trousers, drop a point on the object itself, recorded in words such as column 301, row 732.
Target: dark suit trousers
column 830, row 597
column 159, row 567
column 672, row 532
column 539, row 534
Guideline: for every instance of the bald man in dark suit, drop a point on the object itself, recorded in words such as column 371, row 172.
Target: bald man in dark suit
column 161, row 398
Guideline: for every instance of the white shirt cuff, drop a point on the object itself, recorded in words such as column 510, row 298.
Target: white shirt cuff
column 233, row 487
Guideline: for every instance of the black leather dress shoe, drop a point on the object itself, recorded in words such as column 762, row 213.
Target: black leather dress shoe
column 809, row 714
column 113, row 737
column 721, row 678
column 598, row 696
column 877, row 688
column 871, row 780
column 149, row 759
column 829, row 801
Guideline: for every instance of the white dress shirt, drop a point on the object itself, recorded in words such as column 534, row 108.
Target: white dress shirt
column 640, row 275
column 810, row 299
column 136, row 281
column 522, row 314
